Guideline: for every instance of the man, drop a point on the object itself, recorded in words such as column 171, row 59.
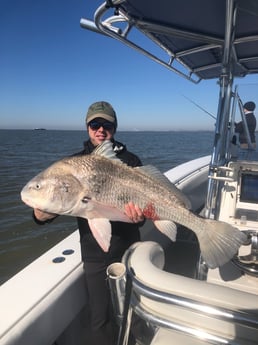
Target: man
column 251, row 125
column 101, row 123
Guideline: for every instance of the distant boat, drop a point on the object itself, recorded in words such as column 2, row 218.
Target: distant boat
column 39, row 129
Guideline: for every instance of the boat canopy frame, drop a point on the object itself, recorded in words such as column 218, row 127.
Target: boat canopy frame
column 197, row 39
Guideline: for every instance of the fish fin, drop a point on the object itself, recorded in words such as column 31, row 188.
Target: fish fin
column 96, row 210
column 167, row 227
column 101, row 230
column 105, row 149
column 219, row 242
column 152, row 171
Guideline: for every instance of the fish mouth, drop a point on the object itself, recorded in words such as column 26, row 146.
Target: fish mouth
column 28, row 203
column 23, row 197
column 27, row 200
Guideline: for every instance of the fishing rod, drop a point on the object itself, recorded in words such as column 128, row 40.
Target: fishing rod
column 197, row 105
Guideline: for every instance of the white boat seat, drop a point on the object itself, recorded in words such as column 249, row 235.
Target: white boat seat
column 212, row 320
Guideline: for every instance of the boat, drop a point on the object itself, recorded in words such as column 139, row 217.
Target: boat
column 166, row 286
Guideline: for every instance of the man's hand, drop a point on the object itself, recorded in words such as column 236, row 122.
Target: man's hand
column 43, row 216
column 134, row 212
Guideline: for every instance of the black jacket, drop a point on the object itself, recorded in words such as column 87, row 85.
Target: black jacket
column 123, row 234
column 251, row 124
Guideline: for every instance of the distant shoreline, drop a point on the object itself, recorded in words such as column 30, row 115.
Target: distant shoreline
column 118, row 131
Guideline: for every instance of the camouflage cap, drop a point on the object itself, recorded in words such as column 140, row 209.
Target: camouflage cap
column 103, row 110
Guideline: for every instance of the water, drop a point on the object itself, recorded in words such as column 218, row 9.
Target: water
column 24, row 153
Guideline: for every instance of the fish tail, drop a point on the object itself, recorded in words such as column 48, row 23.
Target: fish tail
column 219, row 242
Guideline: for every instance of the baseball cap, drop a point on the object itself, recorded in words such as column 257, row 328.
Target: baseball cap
column 103, row 110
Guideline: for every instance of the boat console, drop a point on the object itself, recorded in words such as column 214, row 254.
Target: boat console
column 239, row 197
column 239, row 206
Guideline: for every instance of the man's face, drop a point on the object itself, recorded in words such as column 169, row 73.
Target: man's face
column 100, row 130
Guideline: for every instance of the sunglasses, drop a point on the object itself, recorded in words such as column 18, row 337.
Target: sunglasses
column 94, row 125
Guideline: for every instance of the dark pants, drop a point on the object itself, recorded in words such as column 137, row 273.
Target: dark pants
column 103, row 326
column 103, row 329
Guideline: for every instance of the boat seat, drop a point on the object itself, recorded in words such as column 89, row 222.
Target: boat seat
column 183, row 308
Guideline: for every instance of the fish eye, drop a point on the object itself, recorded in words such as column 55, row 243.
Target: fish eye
column 37, row 186
column 86, row 199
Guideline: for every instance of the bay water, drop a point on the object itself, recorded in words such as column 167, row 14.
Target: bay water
column 24, row 153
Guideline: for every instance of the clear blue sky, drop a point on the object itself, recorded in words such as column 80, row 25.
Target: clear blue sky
column 51, row 70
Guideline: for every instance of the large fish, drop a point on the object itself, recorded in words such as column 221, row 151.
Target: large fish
column 98, row 186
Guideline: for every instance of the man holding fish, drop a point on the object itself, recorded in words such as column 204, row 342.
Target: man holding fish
column 101, row 123
column 99, row 187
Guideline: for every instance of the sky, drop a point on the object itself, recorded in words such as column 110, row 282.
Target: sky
column 51, row 70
